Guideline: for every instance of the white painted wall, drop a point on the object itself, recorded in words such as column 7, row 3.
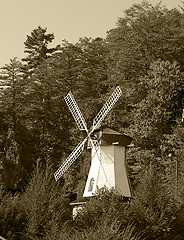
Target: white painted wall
column 110, row 173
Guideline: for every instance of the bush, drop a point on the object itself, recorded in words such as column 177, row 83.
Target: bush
column 12, row 218
column 44, row 204
column 152, row 208
column 106, row 205
column 105, row 216
column 103, row 232
column 43, row 212
column 177, row 229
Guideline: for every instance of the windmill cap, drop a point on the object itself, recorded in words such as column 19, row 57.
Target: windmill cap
column 109, row 136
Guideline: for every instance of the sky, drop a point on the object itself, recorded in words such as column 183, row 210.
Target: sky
column 67, row 19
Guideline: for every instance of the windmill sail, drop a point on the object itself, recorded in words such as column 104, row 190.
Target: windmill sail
column 96, row 148
column 75, row 111
column 81, row 123
column 106, row 108
column 70, row 159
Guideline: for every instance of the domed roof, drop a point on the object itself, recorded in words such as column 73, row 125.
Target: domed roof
column 108, row 136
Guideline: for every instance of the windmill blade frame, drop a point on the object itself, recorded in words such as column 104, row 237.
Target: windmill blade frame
column 81, row 123
column 95, row 146
column 75, row 111
column 106, row 108
column 70, row 159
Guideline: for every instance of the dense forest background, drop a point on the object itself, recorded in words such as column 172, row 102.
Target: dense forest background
column 144, row 56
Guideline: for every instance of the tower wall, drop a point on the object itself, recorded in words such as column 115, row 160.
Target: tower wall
column 92, row 179
column 111, row 173
column 106, row 170
column 121, row 176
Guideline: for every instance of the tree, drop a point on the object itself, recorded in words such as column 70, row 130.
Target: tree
column 152, row 208
column 47, row 117
column 82, row 69
column 145, row 34
column 11, row 92
column 154, row 114
column 100, row 219
column 172, row 150
column 36, row 46
column 94, row 82
column 14, row 145
column 12, row 169
column 154, row 118
column 44, row 205
column 10, row 117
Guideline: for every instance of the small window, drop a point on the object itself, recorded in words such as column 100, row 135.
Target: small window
column 91, row 183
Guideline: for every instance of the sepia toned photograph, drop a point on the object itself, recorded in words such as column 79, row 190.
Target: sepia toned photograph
column 92, row 120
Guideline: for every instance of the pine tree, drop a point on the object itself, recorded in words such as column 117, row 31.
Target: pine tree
column 16, row 139
column 36, row 46
column 12, row 87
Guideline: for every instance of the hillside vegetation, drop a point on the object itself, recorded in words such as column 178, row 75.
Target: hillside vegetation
column 144, row 56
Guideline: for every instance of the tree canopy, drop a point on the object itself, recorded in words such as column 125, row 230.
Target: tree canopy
column 143, row 54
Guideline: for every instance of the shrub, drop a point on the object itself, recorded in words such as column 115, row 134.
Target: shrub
column 105, row 216
column 152, row 208
column 103, row 232
column 177, row 229
column 106, row 205
column 12, row 218
column 44, row 204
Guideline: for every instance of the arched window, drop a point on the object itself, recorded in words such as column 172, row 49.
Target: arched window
column 91, row 183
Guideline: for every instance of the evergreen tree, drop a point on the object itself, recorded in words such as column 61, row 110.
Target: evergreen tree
column 11, row 119
column 12, row 169
column 17, row 140
column 10, row 103
column 47, row 119
column 36, row 46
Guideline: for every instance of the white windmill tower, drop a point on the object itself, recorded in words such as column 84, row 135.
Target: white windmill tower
column 108, row 163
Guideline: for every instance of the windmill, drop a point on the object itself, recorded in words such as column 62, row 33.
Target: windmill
column 103, row 159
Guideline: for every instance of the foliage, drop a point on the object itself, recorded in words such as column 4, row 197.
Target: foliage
column 12, row 218
column 11, row 97
column 155, row 112
column 177, row 226
column 144, row 55
column 36, row 46
column 93, row 212
column 82, row 69
column 153, row 208
column 172, row 155
column 145, row 34
column 46, row 114
column 104, row 217
column 15, row 161
column 44, row 204
column 103, row 232
column 12, row 169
